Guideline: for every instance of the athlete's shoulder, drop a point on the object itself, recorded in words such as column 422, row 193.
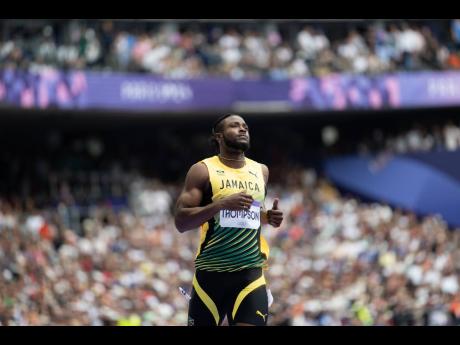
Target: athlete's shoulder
column 251, row 161
column 198, row 170
column 197, row 176
column 264, row 168
column 265, row 171
column 209, row 160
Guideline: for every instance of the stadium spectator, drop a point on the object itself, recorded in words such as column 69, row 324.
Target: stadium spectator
column 278, row 51
column 334, row 261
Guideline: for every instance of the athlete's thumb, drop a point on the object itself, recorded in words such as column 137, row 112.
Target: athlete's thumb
column 275, row 204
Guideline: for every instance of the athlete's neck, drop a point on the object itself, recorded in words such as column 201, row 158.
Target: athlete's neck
column 234, row 160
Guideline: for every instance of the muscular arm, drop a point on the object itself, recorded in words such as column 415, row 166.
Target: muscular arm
column 188, row 214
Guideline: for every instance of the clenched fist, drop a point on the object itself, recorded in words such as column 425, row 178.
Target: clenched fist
column 238, row 201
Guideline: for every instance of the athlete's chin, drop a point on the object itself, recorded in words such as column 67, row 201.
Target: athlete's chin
column 243, row 144
column 239, row 145
column 244, row 148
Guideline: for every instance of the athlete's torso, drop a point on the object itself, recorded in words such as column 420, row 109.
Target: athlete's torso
column 231, row 240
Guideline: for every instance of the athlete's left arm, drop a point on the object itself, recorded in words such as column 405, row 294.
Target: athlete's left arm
column 274, row 216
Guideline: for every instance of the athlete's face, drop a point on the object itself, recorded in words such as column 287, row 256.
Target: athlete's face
column 236, row 133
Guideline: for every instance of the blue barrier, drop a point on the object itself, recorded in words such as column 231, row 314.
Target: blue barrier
column 420, row 183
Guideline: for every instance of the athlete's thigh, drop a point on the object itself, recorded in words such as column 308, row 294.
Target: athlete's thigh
column 253, row 309
column 198, row 313
column 250, row 303
column 206, row 308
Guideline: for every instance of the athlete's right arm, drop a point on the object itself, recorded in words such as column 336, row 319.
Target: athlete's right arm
column 188, row 214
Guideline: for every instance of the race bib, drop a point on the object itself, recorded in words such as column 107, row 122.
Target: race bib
column 249, row 219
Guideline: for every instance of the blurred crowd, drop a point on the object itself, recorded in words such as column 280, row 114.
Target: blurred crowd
column 335, row 260
column 87, row 234
column 419, row 138
column 122, row 270
column 268, row 49
column 339, row 261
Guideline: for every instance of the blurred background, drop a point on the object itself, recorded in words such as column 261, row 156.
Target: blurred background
column 358, row 121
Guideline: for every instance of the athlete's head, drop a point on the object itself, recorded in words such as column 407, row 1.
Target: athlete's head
column 231, row 132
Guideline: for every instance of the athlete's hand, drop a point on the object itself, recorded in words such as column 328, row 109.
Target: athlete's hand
column 275, row 215
column 238, row 201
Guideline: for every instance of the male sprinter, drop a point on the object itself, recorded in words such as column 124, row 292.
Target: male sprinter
column 225, row 194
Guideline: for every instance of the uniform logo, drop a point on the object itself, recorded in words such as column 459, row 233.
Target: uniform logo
column 260, row 314
column 191, row 321
column 253, row 173
column 220, row 172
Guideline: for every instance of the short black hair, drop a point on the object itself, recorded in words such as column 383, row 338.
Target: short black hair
column 216, row 127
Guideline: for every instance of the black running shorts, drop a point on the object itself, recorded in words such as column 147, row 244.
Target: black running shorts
column 241, row 296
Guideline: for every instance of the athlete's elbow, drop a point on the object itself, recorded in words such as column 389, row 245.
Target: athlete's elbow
column 178, row 222
column 180, row 226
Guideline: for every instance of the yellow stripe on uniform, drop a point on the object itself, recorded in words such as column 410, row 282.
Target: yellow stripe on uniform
column 204, row 229
column 206, row 300
column 246, row 291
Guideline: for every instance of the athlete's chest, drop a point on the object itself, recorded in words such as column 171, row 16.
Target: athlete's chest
column 225, row 182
